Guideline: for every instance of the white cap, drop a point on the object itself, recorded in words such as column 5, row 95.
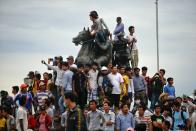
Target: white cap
column 74, row 66
column 103, row 68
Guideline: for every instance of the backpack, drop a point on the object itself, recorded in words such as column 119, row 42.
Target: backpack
column 183, row 118
column 107, row 85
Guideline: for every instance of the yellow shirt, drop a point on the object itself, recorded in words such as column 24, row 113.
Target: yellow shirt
column 126, row 83
column 2, row 122
column 123, row 86
column 34, row 87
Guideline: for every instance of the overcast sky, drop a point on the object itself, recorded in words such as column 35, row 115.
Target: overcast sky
column 32, row 30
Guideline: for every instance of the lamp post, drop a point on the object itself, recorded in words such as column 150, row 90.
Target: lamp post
column 157, row 34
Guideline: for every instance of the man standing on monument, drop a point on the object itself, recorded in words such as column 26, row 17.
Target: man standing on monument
column 119, row 30
column 132, row 46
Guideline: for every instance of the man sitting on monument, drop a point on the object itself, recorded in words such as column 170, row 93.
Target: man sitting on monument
column 97, row 29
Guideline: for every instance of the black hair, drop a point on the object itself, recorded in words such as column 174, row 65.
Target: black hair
column 131, row 27
column 50, row 75
column 87, row 65
column 31, row 74
column 125, row 98
column 45, row 73
column 16, row 88
column 109, row 104
column 114, row 66
column 65, row 64
column 144, row 68
column 119, row 18
column 70, row 96
column 169, row 79
column 94, row 63
column 58, row 57
column 123, row 104
column 94, row 14
column 178, row 98
column 157, row 105
column 38, row 76
column 136, row 68
column 80, row 66
column 128, row 69
column 143, row 106
column 163, row 70
column 122, row 67
column 93, row 101
column 177, row 104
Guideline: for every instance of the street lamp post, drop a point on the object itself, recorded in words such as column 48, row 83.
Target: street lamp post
column 157, row 34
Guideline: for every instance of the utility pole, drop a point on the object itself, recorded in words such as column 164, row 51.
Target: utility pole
column 157, row 34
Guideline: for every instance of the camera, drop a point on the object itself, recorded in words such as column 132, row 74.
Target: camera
column 182, row 126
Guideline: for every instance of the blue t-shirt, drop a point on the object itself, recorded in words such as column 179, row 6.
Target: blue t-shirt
column 178, row 120
column 125, row 121
column 169, row 89
column 29, row 99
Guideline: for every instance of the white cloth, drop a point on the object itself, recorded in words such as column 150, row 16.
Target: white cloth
column 93, row 79
column 116, row 79
column 21, row 114
column 59, row 76
column 130, row 86
column 130, row 39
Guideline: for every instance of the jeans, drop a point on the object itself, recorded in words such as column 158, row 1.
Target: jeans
column 154, row 100
column 142, row 96
column 100, row 36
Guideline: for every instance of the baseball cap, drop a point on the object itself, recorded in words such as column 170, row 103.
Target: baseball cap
column 23, row 86
column 103, row 68
column 74, row 66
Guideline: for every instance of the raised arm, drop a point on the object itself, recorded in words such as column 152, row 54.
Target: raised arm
column 49, row 66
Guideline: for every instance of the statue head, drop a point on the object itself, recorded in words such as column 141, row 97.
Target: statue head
column 82, row 36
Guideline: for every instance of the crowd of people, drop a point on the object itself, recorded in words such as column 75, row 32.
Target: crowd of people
column 89, row 97
column 96, row 98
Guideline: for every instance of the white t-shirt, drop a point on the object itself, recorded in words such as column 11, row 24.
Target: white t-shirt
column 93, row 79
column 60, row 73
column 116, row 79
column 130, row 38
column 131, row 86
column 21, row 114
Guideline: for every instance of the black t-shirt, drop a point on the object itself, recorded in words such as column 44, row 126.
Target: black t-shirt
column 80, row 82
column 159, row 119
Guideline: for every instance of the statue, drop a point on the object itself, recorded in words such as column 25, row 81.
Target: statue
column 92, row 50
column 121, row 53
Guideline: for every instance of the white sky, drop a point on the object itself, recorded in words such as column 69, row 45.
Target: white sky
column 32, row 30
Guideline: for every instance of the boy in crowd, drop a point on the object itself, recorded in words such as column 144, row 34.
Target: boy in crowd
column 124, row 120
column 180, row 118
column 157, row 119
column 95, row 118
column 169, row 88
column 109, row 117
